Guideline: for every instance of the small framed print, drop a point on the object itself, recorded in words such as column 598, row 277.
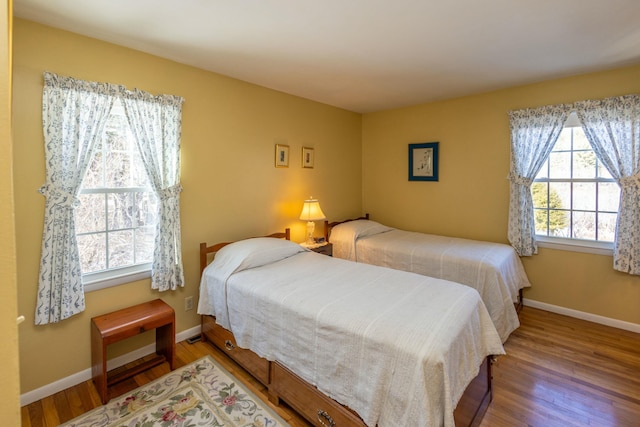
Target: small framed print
column 282, row 156
column 423, row 161
column 307, row 157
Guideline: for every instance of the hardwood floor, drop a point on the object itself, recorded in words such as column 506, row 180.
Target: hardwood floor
column 558, row 371
column 561, row 371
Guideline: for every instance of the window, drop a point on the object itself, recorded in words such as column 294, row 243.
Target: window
column 574, row 196
column 117, row 214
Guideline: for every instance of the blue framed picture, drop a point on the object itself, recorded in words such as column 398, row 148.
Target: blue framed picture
column 423, row 161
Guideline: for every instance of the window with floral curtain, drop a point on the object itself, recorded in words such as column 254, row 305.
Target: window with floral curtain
column 612, row 127
column 75, row 113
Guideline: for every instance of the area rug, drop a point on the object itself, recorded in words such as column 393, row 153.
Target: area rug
column 202, row 393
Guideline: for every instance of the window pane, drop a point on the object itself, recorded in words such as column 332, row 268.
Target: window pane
column 564, row 140
column 118, row 169
column 147, row 209
column 560, row 165
column 120, row 248
column 118, row 142
column 584, row 225
column 558, row 223
column 584, row 164
column 603, row 172
column 607, row 227
column 144, row 244
column 580, row 141
column 560, row 195
column 120, row 211
column 584, row 196
column 540, row 216
column 90, row 213
column 608, row 196
column 540, row 195
column 544, row 170
column 92, row 249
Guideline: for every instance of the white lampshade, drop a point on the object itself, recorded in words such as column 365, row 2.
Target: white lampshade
column 311, row 212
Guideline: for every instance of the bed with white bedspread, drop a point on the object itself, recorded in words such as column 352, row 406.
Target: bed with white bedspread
column 493, row 269
column 397, row 348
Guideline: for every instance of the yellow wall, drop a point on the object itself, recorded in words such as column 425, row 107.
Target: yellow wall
column 10, row 390
column 231, row 187
column 232, row 190
column 471, row 198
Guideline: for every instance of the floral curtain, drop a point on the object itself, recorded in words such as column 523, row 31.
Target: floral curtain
column 612, row 127
column 156, row 125
column 534, row 131
column 74, row 113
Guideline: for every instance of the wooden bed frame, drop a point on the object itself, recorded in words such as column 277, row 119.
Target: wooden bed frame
column 327, row 232
column 317, row 408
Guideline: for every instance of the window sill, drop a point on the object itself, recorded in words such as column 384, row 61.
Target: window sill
column 584, row 246
column 115, row 278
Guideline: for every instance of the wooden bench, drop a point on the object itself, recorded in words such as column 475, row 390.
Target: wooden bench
column 128, row 322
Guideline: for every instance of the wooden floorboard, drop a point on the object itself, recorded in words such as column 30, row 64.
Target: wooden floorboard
column 562, row 371
column 558, row 371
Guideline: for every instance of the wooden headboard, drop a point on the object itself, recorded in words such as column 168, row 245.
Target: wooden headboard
column 329, row 225
column 206, row 250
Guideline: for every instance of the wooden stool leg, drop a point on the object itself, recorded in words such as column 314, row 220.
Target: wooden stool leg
column 99, row 362
column 166, row 343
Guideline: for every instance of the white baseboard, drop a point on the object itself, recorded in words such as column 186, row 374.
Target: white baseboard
column 85, row 375
column 620, row 324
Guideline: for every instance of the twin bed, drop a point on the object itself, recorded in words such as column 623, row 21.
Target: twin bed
column 349, row 343
column 493, row 269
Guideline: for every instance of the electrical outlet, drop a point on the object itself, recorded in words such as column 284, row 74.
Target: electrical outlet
column 188, row 303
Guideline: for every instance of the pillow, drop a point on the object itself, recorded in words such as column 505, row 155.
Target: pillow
column 344, row 236
column 256, row 252
column 236, row 257
column 361, row 228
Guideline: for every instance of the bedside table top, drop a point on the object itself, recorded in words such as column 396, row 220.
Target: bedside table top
column 313, row 246
column 324, row 248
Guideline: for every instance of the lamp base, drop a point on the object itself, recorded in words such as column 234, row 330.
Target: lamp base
column 311, row 226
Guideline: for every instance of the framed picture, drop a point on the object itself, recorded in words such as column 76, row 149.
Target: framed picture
column 282, row 156
column 307, row 157
column 423, row 161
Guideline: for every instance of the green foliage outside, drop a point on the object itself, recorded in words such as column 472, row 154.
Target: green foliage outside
column 558, row 219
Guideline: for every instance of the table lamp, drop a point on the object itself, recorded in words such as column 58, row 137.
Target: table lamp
column 311, row 212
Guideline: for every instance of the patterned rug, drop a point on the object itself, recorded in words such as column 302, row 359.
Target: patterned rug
column 202, row 393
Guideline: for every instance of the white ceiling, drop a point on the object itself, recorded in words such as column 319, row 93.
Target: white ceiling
column 365, row 55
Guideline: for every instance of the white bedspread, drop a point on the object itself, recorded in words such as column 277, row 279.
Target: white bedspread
column 493, row 269
column 396, row 347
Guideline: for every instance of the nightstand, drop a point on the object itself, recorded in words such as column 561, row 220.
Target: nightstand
column 321, row 248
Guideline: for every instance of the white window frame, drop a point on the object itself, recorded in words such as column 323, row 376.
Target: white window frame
column 575, row 245
column 109, row 278
column 103, row 279
column 570, row 244
column 119, row 275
